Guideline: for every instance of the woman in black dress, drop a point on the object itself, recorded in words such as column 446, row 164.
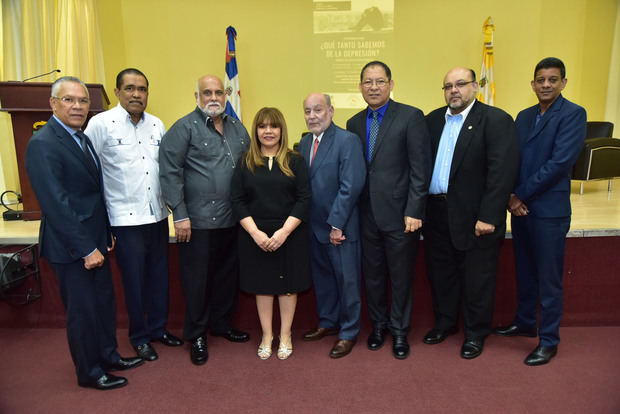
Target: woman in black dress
column 271, row 197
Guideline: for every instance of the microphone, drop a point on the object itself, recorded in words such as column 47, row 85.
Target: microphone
column 40, row 76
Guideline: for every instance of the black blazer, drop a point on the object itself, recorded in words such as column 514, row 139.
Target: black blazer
column 483, row 172
column 70, row 192
column 399, row 171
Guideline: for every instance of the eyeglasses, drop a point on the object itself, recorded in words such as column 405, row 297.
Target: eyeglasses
column 70, row 100
column 458, row 85
column 207, row 92
column 379, row 82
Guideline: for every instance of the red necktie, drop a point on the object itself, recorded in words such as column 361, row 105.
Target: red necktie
column 316, row 146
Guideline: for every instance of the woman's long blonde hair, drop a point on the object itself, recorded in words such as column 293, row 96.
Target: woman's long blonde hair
column 254, row 158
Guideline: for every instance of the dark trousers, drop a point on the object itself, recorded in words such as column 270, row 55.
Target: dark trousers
column 88, row 296
column 142, row 255
column 336, row 275
column 209, row 269
column 466, row 276
column 388, row 258
column 539, row 245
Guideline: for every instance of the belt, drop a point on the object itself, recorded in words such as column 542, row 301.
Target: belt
column 443, row 196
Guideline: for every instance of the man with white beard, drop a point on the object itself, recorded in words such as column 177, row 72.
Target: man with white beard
column 197, row 158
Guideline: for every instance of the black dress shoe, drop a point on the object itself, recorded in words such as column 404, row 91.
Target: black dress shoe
column 472, row 348
column 319, row 333
column 233, row 335
column 435, row 336
column 199, row 354
column 169, row 340
column 123, row 364
column 541, row 355
column 146, row 352
column 514, row 330
column 376, row 339
column 105, row 382
column 400, row 346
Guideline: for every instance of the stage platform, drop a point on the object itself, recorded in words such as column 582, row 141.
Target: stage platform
column 596, row 213
column 591, row 282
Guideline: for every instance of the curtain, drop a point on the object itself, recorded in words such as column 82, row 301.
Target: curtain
column 38, row 36
column 42, row 35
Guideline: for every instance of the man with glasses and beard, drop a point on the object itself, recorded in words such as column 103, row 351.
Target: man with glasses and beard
column 476, row 160
column 196, row 162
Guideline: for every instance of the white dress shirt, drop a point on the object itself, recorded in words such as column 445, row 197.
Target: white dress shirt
column 445, row 151
column 129, row 155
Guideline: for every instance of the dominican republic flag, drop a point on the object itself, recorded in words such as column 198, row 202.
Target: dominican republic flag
column 231, row 83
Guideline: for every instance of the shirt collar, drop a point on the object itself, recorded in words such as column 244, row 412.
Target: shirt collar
column 207, row 117
column 318, row 137
column 381, row 110
column 464, row 113
column 70, row 130
column 120, row 108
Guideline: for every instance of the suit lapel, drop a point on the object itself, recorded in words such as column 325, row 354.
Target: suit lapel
column 468, row 130
column 388, row 118
column 359, row 128
column 550, row 113
column 436, row 125
column 304, row 146
column 321, row 153
column 74, row 149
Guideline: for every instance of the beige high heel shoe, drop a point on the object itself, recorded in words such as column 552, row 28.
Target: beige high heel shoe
column 285, row 349
column 264, row 351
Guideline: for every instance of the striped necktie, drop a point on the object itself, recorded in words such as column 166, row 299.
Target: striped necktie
column 84, row 141
column 372, row 134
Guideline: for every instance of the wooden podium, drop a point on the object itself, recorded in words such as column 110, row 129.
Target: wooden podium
column 28, row 104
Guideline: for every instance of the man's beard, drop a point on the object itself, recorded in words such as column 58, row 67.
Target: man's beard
column 212, row 113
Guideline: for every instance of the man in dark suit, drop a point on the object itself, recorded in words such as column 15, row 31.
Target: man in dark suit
column 392, row 205
column 74, row 234
column 476, row 156
column 337, row 174
column 551, row 135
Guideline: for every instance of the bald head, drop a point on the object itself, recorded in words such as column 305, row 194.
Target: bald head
column 210, row 95
column 460, row 88
column 318, row 112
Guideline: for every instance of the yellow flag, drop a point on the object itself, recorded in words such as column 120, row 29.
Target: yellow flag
column 486, row 91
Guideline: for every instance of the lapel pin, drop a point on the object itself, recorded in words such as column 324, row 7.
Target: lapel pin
column 469, row 127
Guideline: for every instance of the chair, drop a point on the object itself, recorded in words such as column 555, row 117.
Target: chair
column 600, row 157
column 20, row 281
column 599, row 129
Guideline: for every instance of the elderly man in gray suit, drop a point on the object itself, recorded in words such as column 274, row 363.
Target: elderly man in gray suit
column 197, row 158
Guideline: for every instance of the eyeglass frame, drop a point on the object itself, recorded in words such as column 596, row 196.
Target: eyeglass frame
column 458, row 85
column 381, row 83
column 70, row 100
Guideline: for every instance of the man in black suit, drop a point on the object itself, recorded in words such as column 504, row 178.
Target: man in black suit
column 74, row 234
column 476, row 158
column 392, row 205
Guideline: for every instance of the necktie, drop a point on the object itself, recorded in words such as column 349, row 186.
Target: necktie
column 314, row 148
column 84, row 143
column 372, row 134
